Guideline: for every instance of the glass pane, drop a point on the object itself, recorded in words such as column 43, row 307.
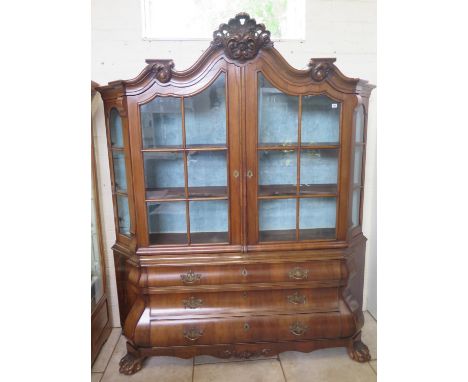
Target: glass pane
column 97, row 288
column 209, row 221
column 161, row 123
column 359, row 120
column 319, row 171
column 123, row 214
column 277, row 172
column 120, row 176
column 320, row 120
column 115, row 123
column 277, row 219
column 277, row 115
column 357, row 165
column 205, row 115
column 207, row 173
column 356, row 206
column 164, row 175
column 317, row 218
column 167, row 223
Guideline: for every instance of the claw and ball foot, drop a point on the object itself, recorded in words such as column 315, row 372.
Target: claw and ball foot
column 130, row 364
column 359, row 352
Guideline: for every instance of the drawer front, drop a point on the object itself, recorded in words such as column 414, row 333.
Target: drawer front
column 282, row 301
column 245, row 329
column 244, row 273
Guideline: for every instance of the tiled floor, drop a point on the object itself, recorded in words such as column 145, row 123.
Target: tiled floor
column 328, row 365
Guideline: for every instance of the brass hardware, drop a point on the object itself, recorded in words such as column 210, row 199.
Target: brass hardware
column 235, row 174
column 190, row 277
column 192, row 302
column 249, row 173
column 246, row 327
column 298, row 328
column 193, row 334
column 244, row 294
column 297, row 299
column 298, row 273
column 244, row 272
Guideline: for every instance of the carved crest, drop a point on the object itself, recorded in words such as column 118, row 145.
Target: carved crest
column 162, row 69
column 320, row 68
column 242, row 38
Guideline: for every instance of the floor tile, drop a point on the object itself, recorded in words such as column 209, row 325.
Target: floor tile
column 203, row 359
column 268, row 370
column 373, row 364
column 327, row 365
column 167, row 369
column 106, row 351
column 96, row 377
column 369, row 334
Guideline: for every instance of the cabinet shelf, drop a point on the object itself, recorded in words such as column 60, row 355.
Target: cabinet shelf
column 304, row 234
column 187, row 148
column 178, row 193
column 286, row 190
column 305, row 145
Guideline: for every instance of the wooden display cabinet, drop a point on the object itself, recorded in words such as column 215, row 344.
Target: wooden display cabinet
column 238, row 187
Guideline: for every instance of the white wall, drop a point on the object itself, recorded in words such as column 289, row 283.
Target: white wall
column 345, row 29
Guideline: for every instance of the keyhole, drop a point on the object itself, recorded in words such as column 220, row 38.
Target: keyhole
column 246, row 326
column 244, row 272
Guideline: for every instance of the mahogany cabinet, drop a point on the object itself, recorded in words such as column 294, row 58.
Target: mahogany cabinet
column 237, row 188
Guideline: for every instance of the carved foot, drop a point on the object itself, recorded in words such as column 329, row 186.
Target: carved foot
column 130, row 364
column 359, row 352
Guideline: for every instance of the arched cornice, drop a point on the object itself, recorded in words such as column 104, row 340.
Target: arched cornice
column 240, row 42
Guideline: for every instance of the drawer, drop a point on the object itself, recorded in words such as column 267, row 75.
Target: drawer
column 225, row 303
column 244, row 273
column 245, row 329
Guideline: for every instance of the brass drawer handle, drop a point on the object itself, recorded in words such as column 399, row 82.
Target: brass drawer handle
column 298, row 273
column 190, row 277
column 192, row 302
column 193, row 334
column 298, row 328
column 297, row 298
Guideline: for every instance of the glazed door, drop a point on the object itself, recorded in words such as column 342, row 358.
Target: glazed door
column 190, row 165
column 293, row 153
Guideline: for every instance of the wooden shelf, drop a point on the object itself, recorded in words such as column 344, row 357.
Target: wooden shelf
column 304, row 234
column 317, row 234
column 319, row 189
column 284, row 190
column 209, row 237
column 178, row 193
column 295, row 146
column 187, row 148
column 195, row 238
column 168, row 238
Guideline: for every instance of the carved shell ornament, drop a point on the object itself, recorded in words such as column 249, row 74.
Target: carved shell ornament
column 162, row 69
column 320, row 68
column 242, row 38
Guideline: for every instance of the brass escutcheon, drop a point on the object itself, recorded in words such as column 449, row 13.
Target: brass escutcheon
column 298, row 328
column 190, row 277
column 297, row 298
column 235, row 174
column 249, row 173
column 193, row 334
column 246, row 327
column 298, row 273
column 244, row 272
column 192, row 302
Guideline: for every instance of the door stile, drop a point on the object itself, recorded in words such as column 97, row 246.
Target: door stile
column 235, row 162
column 251, row 131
